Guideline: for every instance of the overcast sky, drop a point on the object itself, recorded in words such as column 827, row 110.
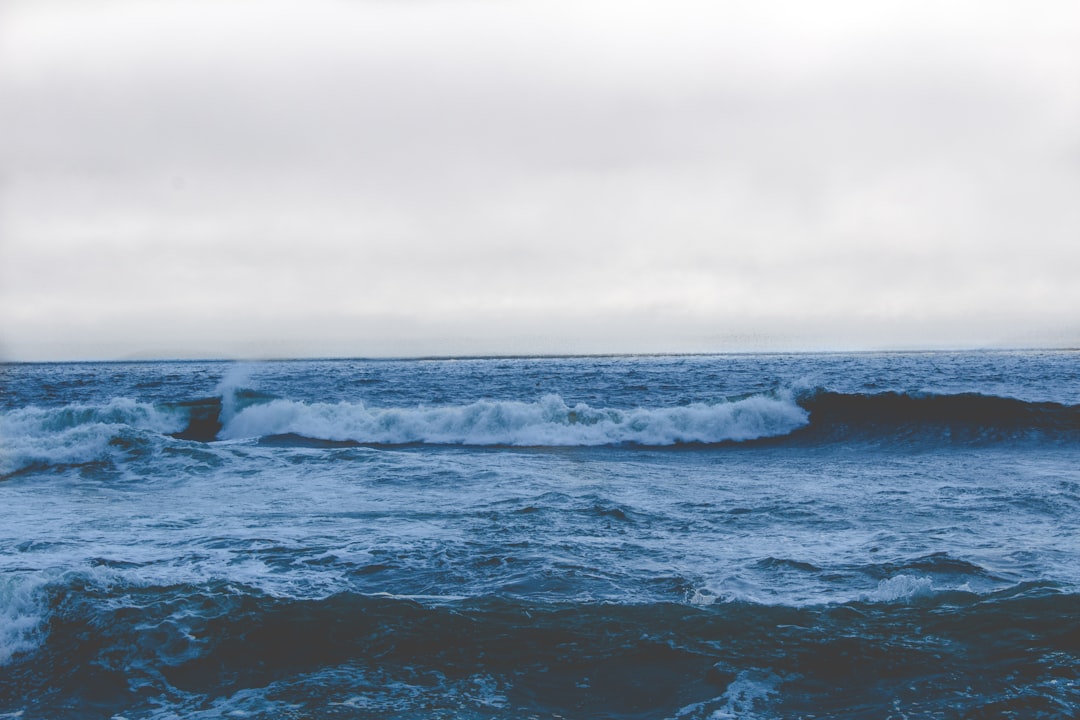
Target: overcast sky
column 444, row 177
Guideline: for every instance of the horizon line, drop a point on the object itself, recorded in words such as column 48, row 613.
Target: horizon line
column 541, row 356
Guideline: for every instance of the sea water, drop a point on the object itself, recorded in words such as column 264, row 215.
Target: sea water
column 773, row 536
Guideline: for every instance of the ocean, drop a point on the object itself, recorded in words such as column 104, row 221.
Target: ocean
column 891, row 535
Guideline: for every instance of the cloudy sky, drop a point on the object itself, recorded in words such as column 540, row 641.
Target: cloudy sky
column 442, row 177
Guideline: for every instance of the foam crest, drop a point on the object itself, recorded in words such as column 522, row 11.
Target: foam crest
column 21, row 615
column 546, row 422
column 751, row 692
column 901, row 588
column 74, row 434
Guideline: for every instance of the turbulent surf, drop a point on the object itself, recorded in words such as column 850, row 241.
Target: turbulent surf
column 776, row 536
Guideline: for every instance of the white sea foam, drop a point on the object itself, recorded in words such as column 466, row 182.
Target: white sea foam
column 245, row 703
column 901, row 588
column 747, row 697
column 21, row 614
column 703, row 597
column 546, row 422
column 74, row 433
column 896, row 589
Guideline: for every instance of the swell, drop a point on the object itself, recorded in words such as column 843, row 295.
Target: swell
column 79, row 434
column 965, row 417
column 816, row 417
column 116, row 648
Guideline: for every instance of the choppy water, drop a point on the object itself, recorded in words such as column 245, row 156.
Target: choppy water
column 781, row 536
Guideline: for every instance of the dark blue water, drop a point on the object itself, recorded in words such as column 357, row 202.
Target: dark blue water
column 781, row 536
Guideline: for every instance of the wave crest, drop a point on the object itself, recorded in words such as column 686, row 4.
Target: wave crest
column 546, row 422
column 74, row 434
column 21, row 615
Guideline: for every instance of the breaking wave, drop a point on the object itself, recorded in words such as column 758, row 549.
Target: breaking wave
column 36, row 437
column 547, row 422
column 815, row 417
column 77, row 434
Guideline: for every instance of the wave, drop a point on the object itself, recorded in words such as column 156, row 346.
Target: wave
column 546, row 422
column 124, row 648
column 814, row 417
column 21, row 615
column 964, row 417
column 897, row 589
column 76, row 434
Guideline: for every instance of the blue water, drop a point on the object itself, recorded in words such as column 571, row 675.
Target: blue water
column 778, row 536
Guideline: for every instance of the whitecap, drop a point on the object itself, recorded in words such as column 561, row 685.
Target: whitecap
column 548, row 421
column 900, row 588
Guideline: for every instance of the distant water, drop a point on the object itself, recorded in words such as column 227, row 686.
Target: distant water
column 779, row 536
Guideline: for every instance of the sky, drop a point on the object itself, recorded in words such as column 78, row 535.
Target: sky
column 362, row 178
